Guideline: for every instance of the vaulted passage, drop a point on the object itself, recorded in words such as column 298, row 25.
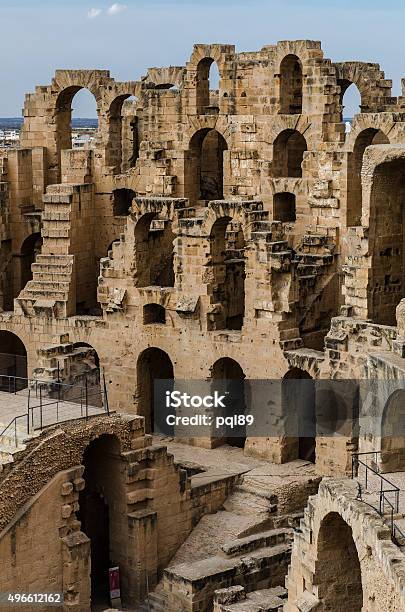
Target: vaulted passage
column 288, row 153
column 101, row 506
column 291, row 85
column 337, row 573
column 232, row 383
column 284, row 208
column 227, row 269
column 354, row 190
column 204, row 171
column 153, row 364
column 387, row 239
column 154, row 251
column 393, row 433
column 122, row 202
column 29, row 250
column 298, row 397
column 13, row 362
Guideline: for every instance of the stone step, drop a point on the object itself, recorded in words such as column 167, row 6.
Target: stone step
column 246, row 503
column 54, row 260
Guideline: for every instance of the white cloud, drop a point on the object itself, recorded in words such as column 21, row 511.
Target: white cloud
column 116, row 8
column 93, row 13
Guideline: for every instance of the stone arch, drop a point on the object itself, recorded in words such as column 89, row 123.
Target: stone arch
column 152, row 364
column 393, row 433
column 204, row 170
column 30, row 248
column 13, row 361
column 63, row 113
column 374, row 88
column 386, row 246
column 207, row 101
column 101, row 505
column 232, row 378
column 291, row 82
column 288, row 154
column 298, row 404
column 337, row 573
column 122, row 127
column 367, row 137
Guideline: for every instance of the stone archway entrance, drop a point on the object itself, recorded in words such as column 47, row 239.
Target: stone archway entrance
column 153, row 364
column 393, row 433
column 337, row 569
column 13, row 362
column 100, row 508
column 231, row 374
column 298, row 398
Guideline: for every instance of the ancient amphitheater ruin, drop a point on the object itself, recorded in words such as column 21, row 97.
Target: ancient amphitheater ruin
column 235, row 234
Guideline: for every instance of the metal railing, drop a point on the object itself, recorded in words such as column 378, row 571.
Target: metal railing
column 48, row 400
column 388, row 492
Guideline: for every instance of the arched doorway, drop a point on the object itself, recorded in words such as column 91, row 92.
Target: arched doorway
column 123, row 133
column 298, row 399
column 386, row 285
column 355, row 162
column 29, row 250
column 337, row 568
column 288, row 153
column 291, row 85
column 204, row 170
column 153, row 364
column 232, row 378
column 393, row 433
column 227, row 262
column 154, row 251
column 99, row 511
column 13, row 362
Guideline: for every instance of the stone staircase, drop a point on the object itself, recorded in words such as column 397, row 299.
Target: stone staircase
column 51, row 289
column 313, row 260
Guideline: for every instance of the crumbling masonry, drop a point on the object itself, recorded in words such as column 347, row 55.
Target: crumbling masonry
column 237, row 233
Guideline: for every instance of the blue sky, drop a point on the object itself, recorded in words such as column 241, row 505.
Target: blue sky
column 38, row 36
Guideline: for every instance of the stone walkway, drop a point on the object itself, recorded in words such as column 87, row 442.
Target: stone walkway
column 53, row 411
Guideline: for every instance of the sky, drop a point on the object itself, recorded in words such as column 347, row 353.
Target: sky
column 127, row 37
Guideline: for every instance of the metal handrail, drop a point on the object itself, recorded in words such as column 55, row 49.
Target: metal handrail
column 383, row 499
column 55, row 386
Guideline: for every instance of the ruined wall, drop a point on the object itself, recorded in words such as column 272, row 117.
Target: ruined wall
column 370, row 566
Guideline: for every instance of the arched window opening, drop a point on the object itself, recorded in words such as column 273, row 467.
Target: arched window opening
column 337, row 568
column 393, row 433
column 208, row 83
column 355, row 163
column 298, row 401
column 386, row 285
column 122, row 202
column 291, row 85
column 100, row 512
column 29, row 250
column 232, row 378
column 13, row 362
column 350, row 100
column 205, row 167
column 154, row 251
column 284, row 208
column 288, row 154
column 154, row 313
column 227, row 262
column 76, row 127
column 131, row 121
column 7, row 279
column 153, row 364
